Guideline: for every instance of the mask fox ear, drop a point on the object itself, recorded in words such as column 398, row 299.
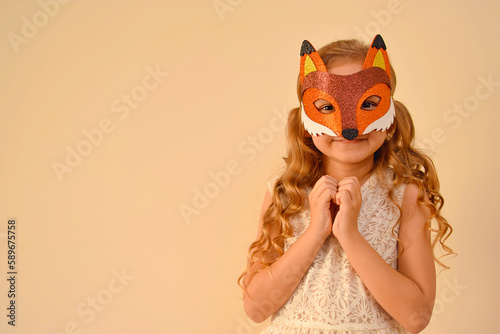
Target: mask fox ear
column 377, row 56
column 310, row 61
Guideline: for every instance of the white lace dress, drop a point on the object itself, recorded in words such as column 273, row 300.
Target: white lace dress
column 331, row 298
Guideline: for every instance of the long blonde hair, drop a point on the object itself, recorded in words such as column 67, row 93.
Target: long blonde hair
column 304, row 168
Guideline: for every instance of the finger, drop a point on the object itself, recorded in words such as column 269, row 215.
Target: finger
column 328, row 195
column 320, row 188
column 323, row 183
column 352, row 190
column 352, row 185
column 349, row 186
column 343, row 196
column 328, row 177
column 350, row 180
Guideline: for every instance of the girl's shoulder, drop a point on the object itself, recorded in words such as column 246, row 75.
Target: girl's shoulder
column 273, row 179
column 384, row 182
column 271, row 183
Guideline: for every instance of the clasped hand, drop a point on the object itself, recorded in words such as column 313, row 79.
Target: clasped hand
column 339, row 199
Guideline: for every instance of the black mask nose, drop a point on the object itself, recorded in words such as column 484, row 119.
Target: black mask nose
column 349, row 133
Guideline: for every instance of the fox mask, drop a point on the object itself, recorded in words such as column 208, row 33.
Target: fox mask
column 346, row 94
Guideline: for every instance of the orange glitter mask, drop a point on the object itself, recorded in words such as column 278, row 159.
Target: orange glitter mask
column 347, row 95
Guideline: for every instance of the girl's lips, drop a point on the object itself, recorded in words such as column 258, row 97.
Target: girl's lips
column 357, row 140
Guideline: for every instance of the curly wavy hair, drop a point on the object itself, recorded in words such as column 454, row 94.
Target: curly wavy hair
column 304, row 167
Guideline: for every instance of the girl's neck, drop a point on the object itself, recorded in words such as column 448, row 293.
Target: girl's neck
column 340, row 170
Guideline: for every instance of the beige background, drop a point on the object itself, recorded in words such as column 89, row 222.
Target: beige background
column 66, row 69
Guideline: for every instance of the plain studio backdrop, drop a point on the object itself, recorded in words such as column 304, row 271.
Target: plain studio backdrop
column 137, row 138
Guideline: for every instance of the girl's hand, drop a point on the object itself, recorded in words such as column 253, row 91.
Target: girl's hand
column 348, row 198
column 321, row 202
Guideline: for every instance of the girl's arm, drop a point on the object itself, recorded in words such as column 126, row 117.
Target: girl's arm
column 408, row 293
column 268, row 290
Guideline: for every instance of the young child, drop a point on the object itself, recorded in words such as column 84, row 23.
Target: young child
column 344, row 240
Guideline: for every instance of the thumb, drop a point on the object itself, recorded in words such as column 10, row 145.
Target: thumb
column 338, row 198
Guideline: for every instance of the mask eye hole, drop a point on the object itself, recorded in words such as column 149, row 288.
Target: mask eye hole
column 370, row 103
column 324, row 107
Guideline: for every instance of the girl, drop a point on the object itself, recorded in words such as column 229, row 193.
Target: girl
column 344, row 240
